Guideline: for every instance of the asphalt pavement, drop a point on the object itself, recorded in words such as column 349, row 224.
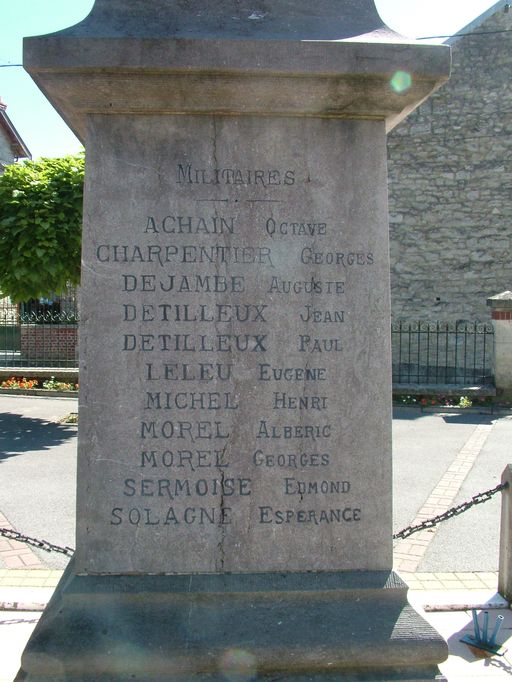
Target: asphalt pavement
column 38, row 472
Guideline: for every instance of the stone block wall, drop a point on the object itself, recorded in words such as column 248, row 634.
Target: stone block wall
column 450, row 185
column 46, row 342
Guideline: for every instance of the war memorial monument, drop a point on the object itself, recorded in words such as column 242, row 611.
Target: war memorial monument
column 234, row 465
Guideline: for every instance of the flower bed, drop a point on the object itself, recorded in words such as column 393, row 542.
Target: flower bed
column 16, row 383
column 449, row 401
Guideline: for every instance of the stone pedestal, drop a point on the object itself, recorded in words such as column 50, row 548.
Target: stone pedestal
column 234, row 483
column 291, row 626
column 501, row 305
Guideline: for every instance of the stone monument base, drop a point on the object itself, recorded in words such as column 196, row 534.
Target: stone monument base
column 295, row 627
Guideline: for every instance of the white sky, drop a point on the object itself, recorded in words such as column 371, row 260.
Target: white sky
column 46, row 134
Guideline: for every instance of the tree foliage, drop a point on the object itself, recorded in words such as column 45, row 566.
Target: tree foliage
column 40, row 226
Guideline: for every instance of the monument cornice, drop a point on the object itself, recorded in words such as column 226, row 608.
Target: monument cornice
column 344, row 79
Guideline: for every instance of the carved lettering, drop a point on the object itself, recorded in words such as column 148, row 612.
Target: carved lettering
column 201, row 516
column 312, row 516
column 317, row 316
column 295, row 229
column 308, row 344
column 191, row 460
column 268, row 373
column 182, row 371
column 291, row 486
column 190, row 225
column 217, row 254
column 187, row 174
column 183, row 487
column 266, row 430
column 183, row 430
column 310, row 257
column 184, row 400
column 290, row 460
column 192, row 343
column 184, row 284
column 185, row 312
column 309, row 286
column 284, row 401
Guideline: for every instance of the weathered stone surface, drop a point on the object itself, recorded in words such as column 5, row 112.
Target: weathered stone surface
column 241, row 251
column 449, row 185
column 281, row 19
column 298, row 627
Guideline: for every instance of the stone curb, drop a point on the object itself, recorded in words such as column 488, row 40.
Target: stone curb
column 38, row 392
column 454, row 409
column 69, row 374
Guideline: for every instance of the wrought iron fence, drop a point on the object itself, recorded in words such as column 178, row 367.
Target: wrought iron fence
column 457, row 353
column 39, row 333
column 44, row 333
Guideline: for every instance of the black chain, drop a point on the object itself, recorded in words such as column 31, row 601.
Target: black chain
column 450, row 513
column 404, row 533
column 42, row 544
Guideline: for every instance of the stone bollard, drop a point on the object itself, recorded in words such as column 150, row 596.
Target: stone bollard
column 505, row 562
column 501, row 305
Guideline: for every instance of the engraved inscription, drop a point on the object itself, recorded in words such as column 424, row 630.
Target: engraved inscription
column 186, row 173
column 321, row 316
column 203, row 295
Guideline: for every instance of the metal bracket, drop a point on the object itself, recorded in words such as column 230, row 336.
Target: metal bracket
column 481, row 639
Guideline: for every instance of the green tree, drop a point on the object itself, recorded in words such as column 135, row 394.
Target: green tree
column 40, row 227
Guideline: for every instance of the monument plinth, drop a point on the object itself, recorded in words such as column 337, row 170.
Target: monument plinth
column 234, row 483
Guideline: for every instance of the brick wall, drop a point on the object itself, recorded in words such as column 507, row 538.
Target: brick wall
column 49, row 342
column 450, row 180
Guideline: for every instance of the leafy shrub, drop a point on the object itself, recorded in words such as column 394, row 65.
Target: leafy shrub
column 40, row 226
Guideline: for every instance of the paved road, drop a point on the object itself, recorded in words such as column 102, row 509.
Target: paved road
column 38, row 470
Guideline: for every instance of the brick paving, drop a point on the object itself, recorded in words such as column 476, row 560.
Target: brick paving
column 33, row 577
column 408, row 552
column 14, row 554
column 450, row 581
column 40, row 577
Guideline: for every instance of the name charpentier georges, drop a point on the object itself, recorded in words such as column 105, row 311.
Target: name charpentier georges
column 183, row 459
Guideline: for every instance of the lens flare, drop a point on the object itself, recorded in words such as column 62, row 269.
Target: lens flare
column 238, row 665
column 401, row 81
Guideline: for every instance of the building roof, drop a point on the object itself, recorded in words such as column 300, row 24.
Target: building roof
column 504, row 5
column 19, row 148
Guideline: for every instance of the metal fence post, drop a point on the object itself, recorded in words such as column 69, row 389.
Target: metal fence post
column 505, row 561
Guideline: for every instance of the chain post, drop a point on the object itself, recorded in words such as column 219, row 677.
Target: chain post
column 505, row 559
